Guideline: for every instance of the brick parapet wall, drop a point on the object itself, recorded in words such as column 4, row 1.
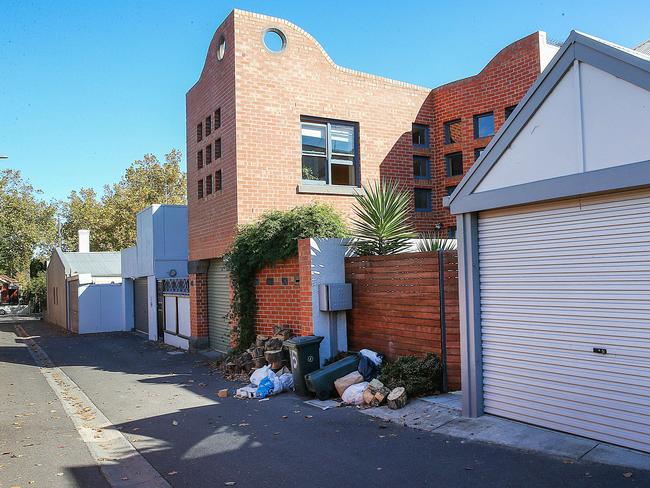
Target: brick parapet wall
column 396, row 307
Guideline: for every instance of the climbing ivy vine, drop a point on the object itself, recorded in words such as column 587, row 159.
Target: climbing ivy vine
column 270, row 239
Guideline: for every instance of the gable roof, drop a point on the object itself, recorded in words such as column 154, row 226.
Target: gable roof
column 627, row 64
column 94, row 263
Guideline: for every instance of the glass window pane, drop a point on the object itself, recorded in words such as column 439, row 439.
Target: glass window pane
column 342, row 137
column 420, row 167
column 343, row 175
column 483, row 125
column 454, row 164
column 452, row 132
column 420, row 135
column 314, row 168
column 313, row 138
column 422, row 199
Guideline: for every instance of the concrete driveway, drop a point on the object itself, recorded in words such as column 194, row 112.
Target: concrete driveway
column 165, row 405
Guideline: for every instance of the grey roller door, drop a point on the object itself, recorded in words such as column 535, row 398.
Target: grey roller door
column 140, row 308
column 218, row 306
column 565, row 316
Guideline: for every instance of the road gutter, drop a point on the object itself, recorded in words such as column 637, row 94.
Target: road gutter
column 120, row 463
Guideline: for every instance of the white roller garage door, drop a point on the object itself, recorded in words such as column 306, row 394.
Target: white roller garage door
column 565, row 315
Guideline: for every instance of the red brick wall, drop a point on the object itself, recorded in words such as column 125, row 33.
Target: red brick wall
column 213, row 219
column 262, row 96
column 278, row 297
column 396, row 307
column 199, row 305
column 284, row 295
column 502, row 83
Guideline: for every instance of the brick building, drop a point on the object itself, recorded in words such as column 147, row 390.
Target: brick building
column 273, row 123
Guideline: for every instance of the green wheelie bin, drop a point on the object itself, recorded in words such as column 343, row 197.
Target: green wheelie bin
column 304, row 355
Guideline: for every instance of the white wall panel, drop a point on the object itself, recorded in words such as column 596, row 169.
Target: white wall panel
column 616, row 120
column 547, row 145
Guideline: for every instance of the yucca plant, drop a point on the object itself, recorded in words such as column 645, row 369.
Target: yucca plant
column 430, row 242
column 382, row 223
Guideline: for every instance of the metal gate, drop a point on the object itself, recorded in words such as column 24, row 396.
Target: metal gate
column 218, row 306
column 140, row 305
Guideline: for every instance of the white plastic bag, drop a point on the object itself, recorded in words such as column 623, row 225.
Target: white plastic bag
column 353, row 394
column 261, row 373
column 372, row 355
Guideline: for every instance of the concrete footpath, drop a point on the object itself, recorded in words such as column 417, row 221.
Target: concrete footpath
column 442, row 414
column 165, row 405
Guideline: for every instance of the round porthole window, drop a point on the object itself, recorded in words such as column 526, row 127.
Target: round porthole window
column 221, row 48
column 274, row 40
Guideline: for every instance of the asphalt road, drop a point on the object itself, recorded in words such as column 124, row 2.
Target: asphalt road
column 166, row 406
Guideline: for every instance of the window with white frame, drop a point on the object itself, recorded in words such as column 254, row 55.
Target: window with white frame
column 329, row 152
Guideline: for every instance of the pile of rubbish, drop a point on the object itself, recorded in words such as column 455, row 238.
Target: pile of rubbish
column 265, row 382
column 265, row 350
column 355, row 382
column 353, row 377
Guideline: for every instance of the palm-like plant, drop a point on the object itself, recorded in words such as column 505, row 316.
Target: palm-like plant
column 435, row 242
column 382, row 223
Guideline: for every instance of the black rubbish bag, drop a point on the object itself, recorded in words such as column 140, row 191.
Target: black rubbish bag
column 367, row 368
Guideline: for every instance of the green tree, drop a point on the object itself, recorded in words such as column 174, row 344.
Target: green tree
column 27, row 223
column 83, row 210
column 111, row 218
column 382, row 222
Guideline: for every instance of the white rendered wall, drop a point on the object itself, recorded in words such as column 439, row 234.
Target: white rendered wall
column 546, row 147
column 328, row 266
column 616, row 120
column 591, row 120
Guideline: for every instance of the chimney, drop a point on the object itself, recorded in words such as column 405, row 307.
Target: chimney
column 84, row 240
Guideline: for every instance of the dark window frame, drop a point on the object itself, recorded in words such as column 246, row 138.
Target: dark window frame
column 507, row 112
column 477, row 152
column 426, row 135
column 217, row 118
column 208, row 154
column 218, row 182
column 429, row 207
column 199, row 159
column 427, row 175
column 208, row 125
column 199, row 132
column 449, row 166
column 476, row 124
column 356, row 161
column 447, row 132
column 199, row 189
column 217, row 148
column 450, row 189
column 208, row 185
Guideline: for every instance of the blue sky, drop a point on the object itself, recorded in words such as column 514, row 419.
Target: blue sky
column 88, row 87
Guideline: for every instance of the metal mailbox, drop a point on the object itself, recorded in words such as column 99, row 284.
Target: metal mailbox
column 334, row 297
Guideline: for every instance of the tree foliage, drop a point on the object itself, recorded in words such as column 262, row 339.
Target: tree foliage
column 382, row 223
column 111, row 218
column 272, row 238
column 27, row 224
